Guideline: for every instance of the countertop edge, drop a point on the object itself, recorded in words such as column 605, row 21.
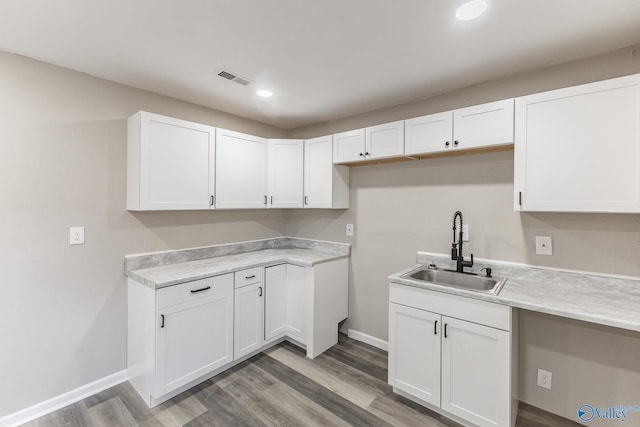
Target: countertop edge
column 516, row 303
column 135, row 276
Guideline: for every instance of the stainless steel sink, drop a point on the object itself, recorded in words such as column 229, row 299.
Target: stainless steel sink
column 471, row 282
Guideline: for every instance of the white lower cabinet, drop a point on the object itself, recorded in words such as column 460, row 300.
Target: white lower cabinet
column 454, row 354
column 178, row 334
column 182, row 334
column 475, row 372
column 284, row 305
column 275, row 302
column 414, row 365
column 195, row 337
column 248, row 314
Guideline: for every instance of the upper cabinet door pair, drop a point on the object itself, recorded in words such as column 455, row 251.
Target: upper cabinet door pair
column 482, row 125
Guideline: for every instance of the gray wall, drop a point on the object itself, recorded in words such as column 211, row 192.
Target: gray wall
column 62, row 164
column 401, row 208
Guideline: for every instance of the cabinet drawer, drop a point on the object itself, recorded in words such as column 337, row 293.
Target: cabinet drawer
column 472, row 310
column 248, row 276
column 190, row 291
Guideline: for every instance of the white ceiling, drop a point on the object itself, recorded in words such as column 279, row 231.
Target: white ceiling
column 324, row 59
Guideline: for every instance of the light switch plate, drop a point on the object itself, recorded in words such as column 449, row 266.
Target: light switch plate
column 544, row 245
column 76, row 236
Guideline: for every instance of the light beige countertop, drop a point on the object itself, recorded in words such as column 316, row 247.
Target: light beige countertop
column 602, row 299
column 161, row 269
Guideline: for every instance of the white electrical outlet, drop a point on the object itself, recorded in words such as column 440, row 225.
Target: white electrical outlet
column 544, row 245
column 465, row 232
column 350, row 230
column 76, row 236
column 544, row 378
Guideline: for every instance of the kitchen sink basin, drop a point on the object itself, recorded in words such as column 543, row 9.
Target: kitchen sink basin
column 468, row 281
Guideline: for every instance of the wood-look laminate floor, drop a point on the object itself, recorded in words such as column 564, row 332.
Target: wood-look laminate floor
column 346, row 386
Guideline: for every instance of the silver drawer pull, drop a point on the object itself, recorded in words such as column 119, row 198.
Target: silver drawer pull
column 250, row 277
column 195, row 291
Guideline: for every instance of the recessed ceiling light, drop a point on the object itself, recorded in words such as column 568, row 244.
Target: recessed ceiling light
column 471, row 10
column 264, row 93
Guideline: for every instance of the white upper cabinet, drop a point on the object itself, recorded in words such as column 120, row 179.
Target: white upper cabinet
column 349, row 146
column 285, row 158
column 376, row 142
column 428, row 133
column 241, row 174
column 325, row 185
column 578, row 149
column 484, row 125
column 170, row 163
column 384, row 141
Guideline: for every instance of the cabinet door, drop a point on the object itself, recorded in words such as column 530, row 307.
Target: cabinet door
column 170, row 163
column 248, row 320
column 476, row 372
column 348, row 146
column 428, row 134
column 275, row 302
column 285, row 162
column 385, row 140
column 325, row 184
column 578, row 149
column 240, row 170
column 194, row 339
column 296, row 303
column 414, row 352
column 483, row 125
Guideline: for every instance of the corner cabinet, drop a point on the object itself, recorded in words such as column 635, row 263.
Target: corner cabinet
column 170, row 163
column 285, row 303
column 484, row 125
column 372, row 143
column 241, row 170
column 577, row 149
column 454, row 354
column 325, row 185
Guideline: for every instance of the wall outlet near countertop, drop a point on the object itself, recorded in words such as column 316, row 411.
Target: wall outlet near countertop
column 465, row 232
column 76, row 236
column 544, row 378
column 544, row 245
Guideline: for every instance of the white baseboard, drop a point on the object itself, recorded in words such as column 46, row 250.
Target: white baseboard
column 368, row 339
column 65, row 399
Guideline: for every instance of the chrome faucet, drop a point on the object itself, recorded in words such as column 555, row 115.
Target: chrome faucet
column 456, row 248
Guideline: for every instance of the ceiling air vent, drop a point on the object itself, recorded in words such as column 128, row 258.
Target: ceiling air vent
column 234, row 77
